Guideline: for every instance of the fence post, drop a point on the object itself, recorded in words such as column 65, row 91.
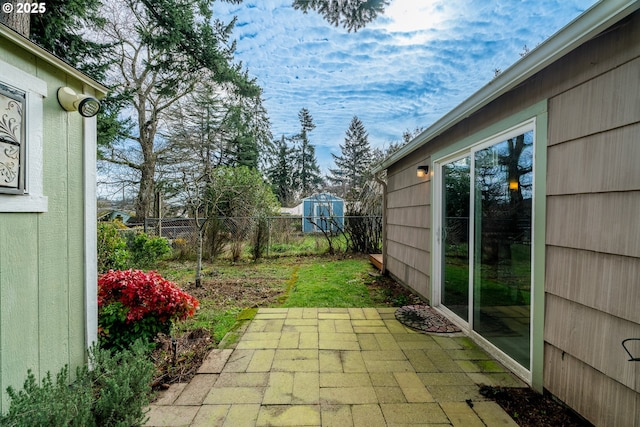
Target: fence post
column 268, row 234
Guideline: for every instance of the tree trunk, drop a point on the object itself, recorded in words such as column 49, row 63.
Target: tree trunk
column 199, row 256
column 144, row 200
column 19, row 22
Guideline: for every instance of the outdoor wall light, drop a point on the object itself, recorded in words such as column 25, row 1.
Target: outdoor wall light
column 422, row 171
column 86, row 105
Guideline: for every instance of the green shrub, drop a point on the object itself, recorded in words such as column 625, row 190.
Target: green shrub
column 121, row 382
column 146, row 251
column 114, row 393
column 112, row 248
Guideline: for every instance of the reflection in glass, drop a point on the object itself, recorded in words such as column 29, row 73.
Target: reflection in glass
column 502, row 249
column 455, row 281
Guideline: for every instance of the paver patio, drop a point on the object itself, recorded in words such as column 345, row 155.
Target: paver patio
column 337, row 367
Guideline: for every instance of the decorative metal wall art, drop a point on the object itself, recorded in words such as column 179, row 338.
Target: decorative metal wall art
column 12, row 140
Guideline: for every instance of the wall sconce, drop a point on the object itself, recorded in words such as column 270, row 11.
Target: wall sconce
column 514, row 185
column 86, row 105
column 422, row 171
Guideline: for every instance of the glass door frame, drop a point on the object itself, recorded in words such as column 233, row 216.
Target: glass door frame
column 437, row 242
column 439, row 236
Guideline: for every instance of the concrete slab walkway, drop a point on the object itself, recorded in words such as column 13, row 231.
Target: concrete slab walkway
column 338, row 367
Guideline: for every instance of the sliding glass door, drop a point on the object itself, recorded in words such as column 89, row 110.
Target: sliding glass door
column 455, row 236
column 485, row 251
column 503, row 176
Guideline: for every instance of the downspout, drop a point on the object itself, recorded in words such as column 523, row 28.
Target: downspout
column 384, row 221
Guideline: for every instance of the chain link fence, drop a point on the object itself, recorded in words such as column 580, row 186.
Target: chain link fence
column 271, row 236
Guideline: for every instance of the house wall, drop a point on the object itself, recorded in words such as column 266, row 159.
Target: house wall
column 408, row 222
column 42, row 274
column 593, row 233
column 592, row 236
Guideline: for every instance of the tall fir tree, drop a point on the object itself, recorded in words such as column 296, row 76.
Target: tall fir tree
column 352, row 166
column 247, row 134
column 307, row 175
column 280, row 174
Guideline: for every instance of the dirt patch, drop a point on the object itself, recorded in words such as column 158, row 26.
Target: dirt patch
column 246, row 293
column 531, row 409
column 177, row 360
column 387, row 292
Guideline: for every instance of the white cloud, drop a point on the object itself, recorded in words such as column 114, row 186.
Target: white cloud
column 407, row 69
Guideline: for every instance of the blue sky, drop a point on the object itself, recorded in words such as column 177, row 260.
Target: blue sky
column 407, row 69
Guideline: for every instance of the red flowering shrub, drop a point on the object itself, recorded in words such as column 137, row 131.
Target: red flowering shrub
column 135, row 305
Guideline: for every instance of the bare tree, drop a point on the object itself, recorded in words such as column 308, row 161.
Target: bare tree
column 152, row 70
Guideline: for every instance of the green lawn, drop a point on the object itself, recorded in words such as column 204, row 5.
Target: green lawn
column 330, row 283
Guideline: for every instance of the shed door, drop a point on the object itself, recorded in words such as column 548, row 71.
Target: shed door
column 323, row 216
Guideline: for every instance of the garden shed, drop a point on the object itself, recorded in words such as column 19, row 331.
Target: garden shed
column 525, row 229
column 48, row 278
column 322, row 212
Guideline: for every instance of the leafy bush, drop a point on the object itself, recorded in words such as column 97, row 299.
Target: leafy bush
column 112, row 248
column 136, row 305
column 114, row 393
column 182, row 249
column 145, row 251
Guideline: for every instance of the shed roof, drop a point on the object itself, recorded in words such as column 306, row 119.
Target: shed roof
column 589, row 24
column 324, row 197
column 47, row 56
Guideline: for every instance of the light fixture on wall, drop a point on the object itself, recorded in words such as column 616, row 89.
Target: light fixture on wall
column 422, row 171
column 86, row 105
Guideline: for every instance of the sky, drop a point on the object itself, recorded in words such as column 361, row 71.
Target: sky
column 403, row 71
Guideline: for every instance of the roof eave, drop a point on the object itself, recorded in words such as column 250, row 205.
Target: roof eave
column 45, row 55
column 586, row 26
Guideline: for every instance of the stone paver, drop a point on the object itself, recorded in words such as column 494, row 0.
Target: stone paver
column 298, row 415
column 170, row 395
column 215, row 361
column 196, row 391
column 171, row 416
column 355, row 367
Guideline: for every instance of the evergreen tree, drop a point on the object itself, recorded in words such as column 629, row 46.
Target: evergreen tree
column 281, row 173
column 307, row 174
column 247, row 132
column 350, row 14
column 352, row 166
column 60, row 30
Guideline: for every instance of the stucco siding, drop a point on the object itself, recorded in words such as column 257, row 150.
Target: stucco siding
column 42, row 308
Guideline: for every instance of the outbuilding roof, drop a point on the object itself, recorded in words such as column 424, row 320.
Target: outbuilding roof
column 589, row 24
